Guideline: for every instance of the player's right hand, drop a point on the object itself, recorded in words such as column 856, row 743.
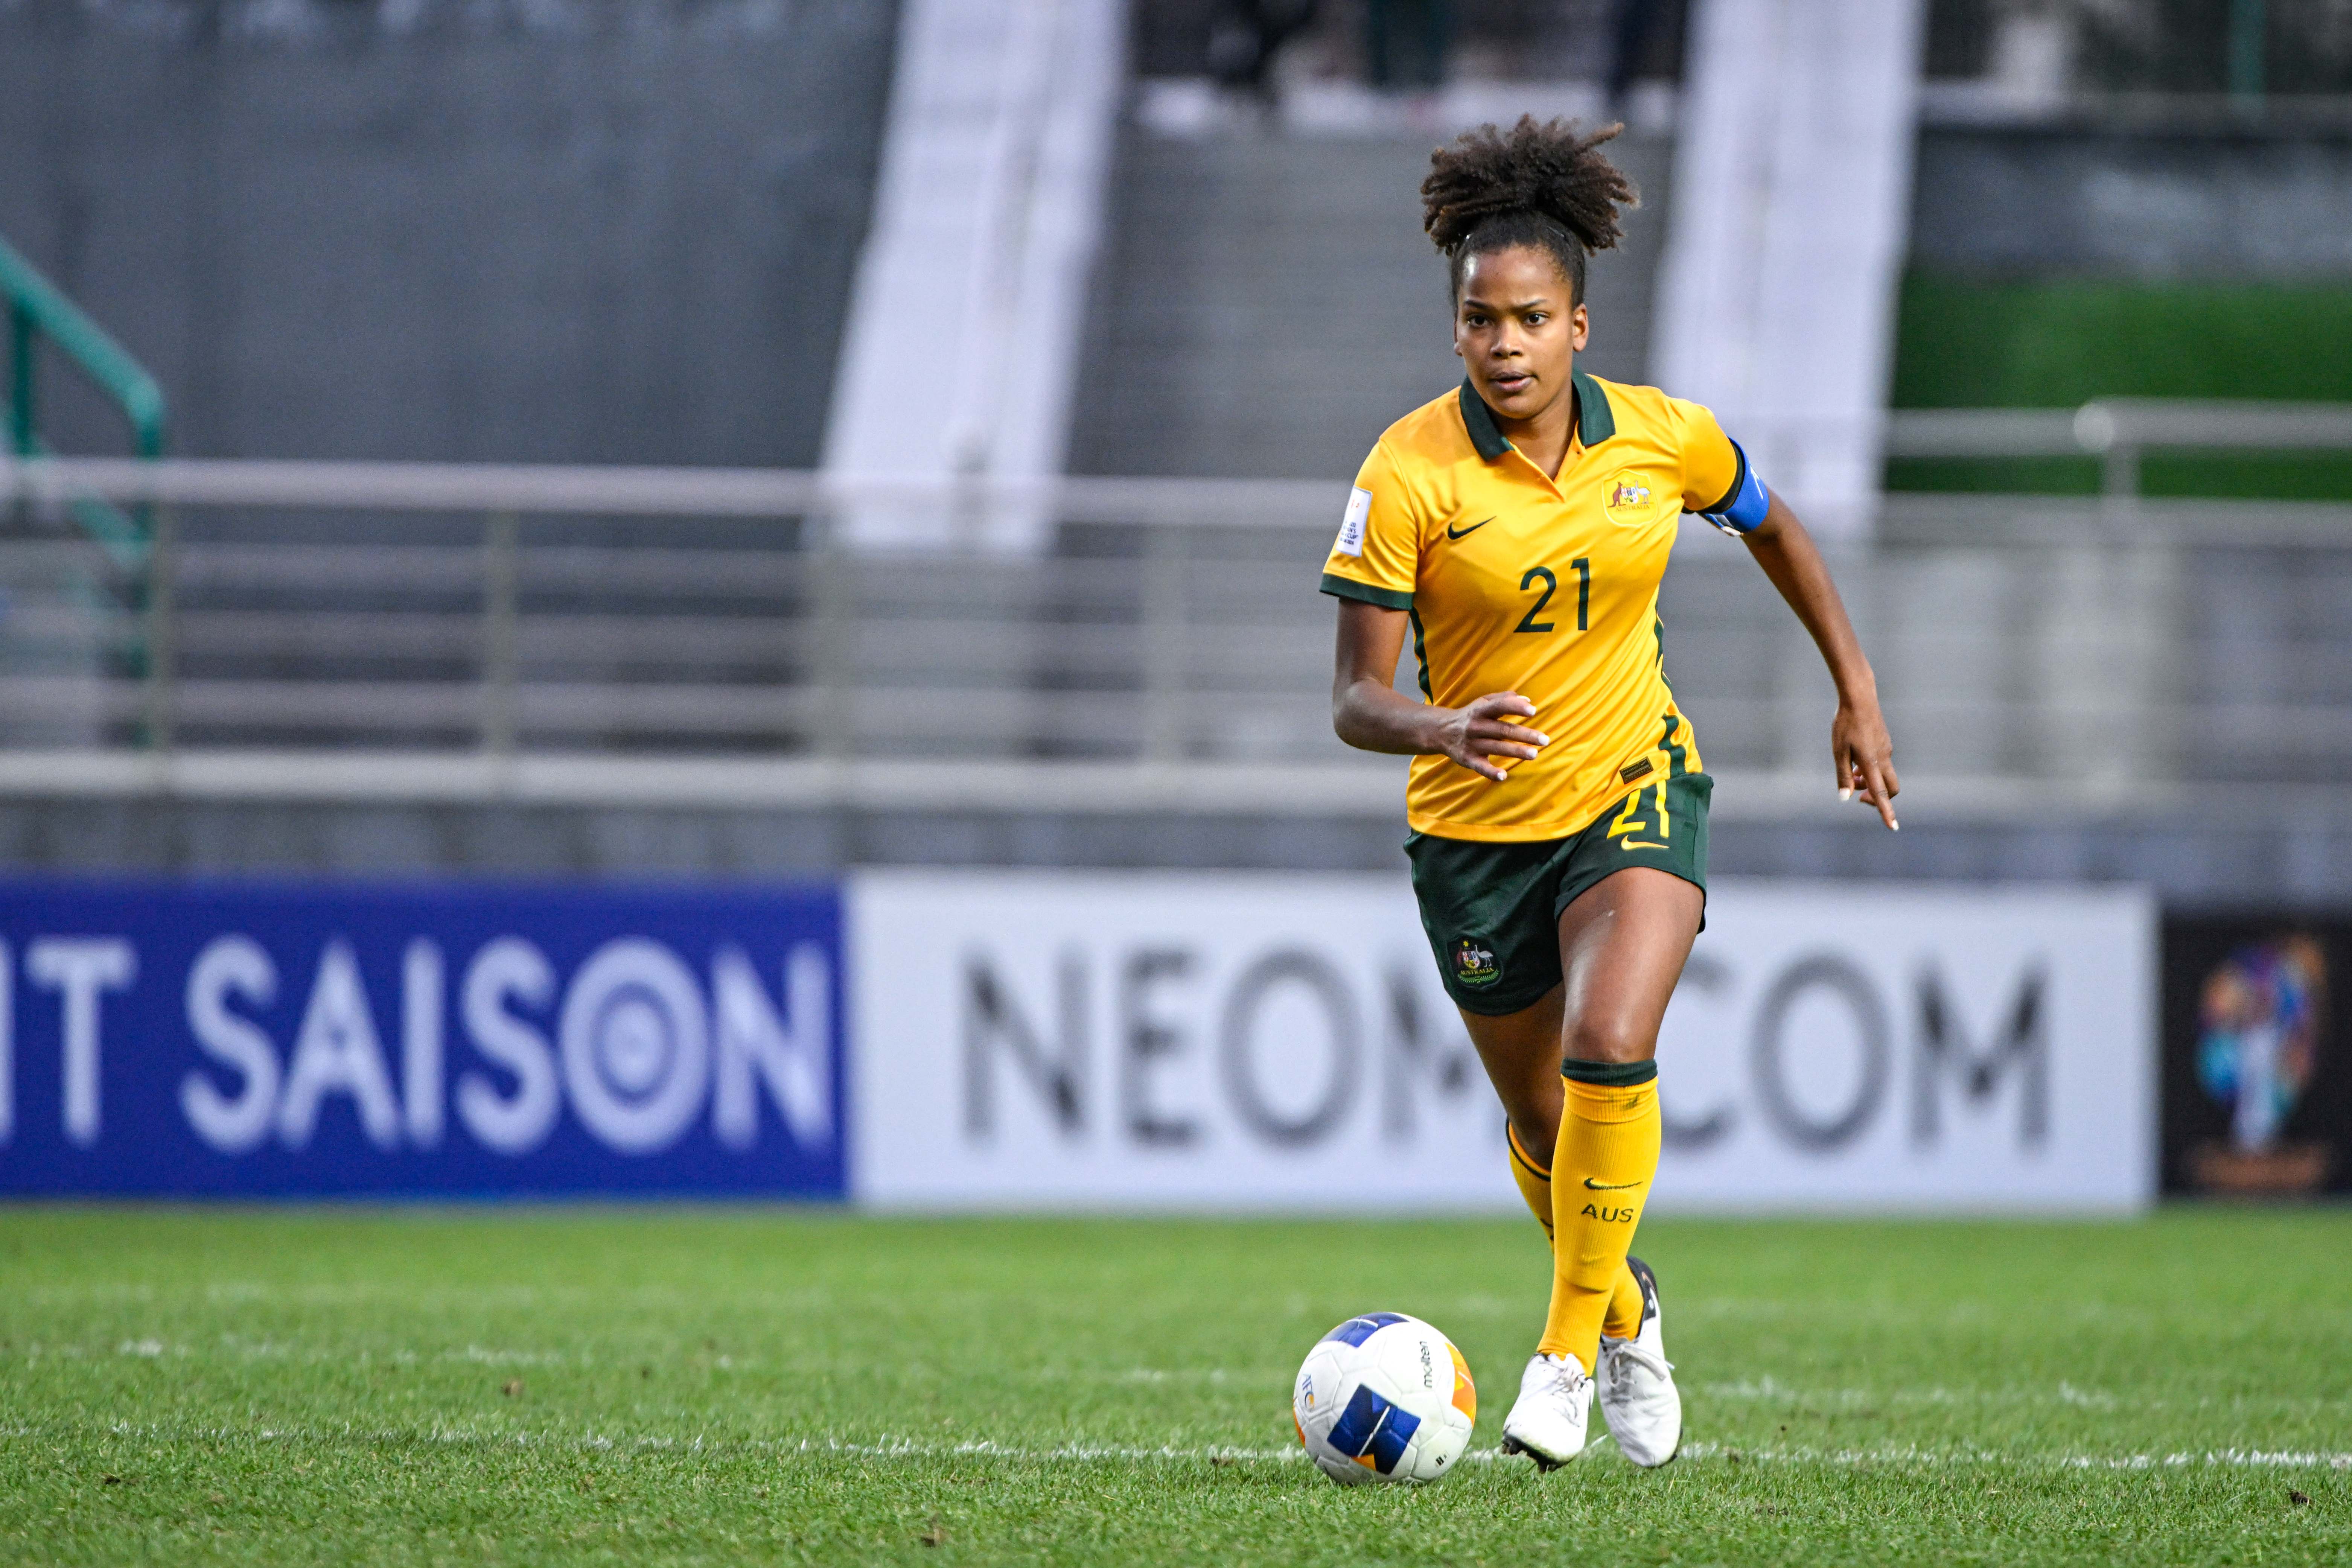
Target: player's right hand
column 1481, row 737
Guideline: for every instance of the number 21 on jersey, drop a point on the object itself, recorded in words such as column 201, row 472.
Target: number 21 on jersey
column 1543, row 575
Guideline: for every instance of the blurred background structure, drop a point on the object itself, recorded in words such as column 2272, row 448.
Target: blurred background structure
column 1004, row 366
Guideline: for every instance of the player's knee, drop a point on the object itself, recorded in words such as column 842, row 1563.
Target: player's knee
column 1536, row 1124
column 1603, row 1041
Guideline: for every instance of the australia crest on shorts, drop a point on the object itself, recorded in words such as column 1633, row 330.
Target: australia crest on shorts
column 1474, row 963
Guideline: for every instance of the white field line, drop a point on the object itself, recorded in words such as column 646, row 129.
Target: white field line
column 2231, row 1459
column 903, row 1450
column 396, row 1355
column 546, row 1300
column 1764, row 1390
column 1768, row 1390
column 1906, row 1455
column 1771, row 1391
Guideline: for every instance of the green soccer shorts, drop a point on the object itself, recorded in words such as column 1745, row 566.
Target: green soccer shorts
column 1491, row 911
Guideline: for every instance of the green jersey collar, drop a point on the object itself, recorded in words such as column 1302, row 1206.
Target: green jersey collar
column 1479, row 420
column 1595, row 420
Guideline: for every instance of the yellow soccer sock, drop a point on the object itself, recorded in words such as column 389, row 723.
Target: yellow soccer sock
column 1606, row 1158
column 1535, row 1182
column 1623, row 1319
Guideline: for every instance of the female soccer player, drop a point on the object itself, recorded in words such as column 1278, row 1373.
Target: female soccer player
column 1519, row 525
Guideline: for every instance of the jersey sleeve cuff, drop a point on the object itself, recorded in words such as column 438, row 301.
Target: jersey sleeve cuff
column 1349, row 588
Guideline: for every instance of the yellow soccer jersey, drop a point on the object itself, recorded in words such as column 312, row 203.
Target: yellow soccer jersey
column 1519, row 581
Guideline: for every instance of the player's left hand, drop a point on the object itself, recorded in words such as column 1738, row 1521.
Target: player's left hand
column 1863, row 755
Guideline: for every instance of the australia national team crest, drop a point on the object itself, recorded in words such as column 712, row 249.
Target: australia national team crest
column 1633, row 498
column 1474, row 963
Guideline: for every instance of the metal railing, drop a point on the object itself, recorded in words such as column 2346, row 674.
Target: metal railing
column 39, row 313
column 700, row 634
column 508, row 608
column 2119, row 431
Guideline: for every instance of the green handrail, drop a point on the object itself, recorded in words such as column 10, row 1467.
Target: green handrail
column 37, row 310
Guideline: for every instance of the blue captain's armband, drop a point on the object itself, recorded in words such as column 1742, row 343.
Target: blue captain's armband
column 1743, row 510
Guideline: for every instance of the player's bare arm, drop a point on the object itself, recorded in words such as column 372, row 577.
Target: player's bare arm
column 1860, row 752
column 1370, row 714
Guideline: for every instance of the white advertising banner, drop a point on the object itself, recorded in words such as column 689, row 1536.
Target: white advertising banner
column 1247, row 1040
column 1839, row 1045
column 1276, row 1041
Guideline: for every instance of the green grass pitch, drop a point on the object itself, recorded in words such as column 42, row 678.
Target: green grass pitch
column 752, row 1385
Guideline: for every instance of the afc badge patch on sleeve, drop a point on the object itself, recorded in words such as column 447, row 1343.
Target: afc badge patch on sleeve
column 1351, row 526
column 1474, row 963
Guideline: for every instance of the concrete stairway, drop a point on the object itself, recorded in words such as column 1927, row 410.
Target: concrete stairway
column 1266, row 305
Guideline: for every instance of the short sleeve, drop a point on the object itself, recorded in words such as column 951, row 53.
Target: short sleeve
column 1718, row 482
column 1711, row 464
column 1377, row 556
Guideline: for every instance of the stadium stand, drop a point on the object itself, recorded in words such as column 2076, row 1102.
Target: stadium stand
column 591, row 231
column 396, row 667
column 1214, row 325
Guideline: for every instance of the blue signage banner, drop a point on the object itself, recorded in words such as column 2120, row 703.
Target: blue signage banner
column 323, row 1038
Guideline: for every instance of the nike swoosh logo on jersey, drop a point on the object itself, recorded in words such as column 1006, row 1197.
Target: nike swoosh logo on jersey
column 1609, row 1186
column 1641, row 843
column 1453, row 532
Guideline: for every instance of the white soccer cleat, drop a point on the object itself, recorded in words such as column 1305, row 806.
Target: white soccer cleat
column 1637, row 1384
column 1555, row 1405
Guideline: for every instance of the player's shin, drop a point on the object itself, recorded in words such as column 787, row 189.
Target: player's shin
column 1534, row 1185
column 1602, row 1170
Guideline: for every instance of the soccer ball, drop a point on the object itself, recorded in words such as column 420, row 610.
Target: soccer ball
column 1384, row 1397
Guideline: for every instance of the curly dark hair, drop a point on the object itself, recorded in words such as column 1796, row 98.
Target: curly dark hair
column 1546, row 186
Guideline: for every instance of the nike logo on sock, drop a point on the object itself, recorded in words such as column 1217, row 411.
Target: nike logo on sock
column 1609, row 1186
column 1453, row 532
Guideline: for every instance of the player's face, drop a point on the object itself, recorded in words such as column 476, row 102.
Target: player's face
column 1517, row 330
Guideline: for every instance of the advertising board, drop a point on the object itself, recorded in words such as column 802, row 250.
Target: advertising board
column 2257, row 1058
column 189, row 1037
column 1263, row 1041
column 1845, row 1046
column 1221, row 1040
column 1040, row 1040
